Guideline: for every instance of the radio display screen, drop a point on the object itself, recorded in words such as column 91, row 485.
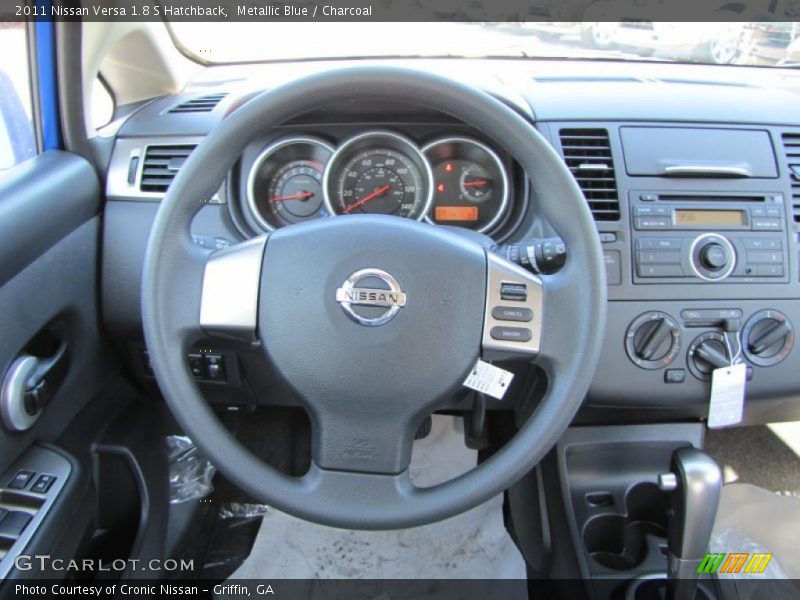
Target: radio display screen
column 711, row 218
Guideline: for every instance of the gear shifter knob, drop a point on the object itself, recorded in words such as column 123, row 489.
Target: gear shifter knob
column 694, row 486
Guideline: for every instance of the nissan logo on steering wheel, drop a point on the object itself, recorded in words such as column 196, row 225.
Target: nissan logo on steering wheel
column 390, row 298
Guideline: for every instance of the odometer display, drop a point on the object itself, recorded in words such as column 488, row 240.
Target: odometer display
column 378, row 173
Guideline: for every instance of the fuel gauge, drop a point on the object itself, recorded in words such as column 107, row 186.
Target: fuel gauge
column 470, row 184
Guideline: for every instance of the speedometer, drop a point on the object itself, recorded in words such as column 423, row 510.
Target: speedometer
column 378, row 172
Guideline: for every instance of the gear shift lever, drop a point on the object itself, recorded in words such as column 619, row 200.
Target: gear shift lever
column 693, row 485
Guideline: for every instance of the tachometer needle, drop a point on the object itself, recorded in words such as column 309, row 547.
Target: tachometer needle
column 297, row 196
column 378, row 192
column 476, row 183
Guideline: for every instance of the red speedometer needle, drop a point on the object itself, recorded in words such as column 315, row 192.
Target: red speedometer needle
column 378, row 192
column 476, row 182
column 297, row 196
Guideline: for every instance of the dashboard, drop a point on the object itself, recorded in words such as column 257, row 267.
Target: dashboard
column 692, row 174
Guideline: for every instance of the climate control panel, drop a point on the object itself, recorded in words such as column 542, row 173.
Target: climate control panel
column 714, row 335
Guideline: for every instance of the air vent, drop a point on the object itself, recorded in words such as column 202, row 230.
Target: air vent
column 791, row 147
column 161, row 164
column 587, row 153
column 198, row 105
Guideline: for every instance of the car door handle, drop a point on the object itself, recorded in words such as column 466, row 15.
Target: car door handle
column 28, row 386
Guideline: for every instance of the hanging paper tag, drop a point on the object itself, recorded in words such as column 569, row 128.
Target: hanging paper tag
column 488, row 379
column 727, row 396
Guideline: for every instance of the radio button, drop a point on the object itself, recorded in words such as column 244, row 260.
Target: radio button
column 758, row 212
column 659, row 243
column 769, row 270
column 646, row 211
column 767, row 224
column 765, row 257
column 652, row 223
column 659, row 270
column 774, row 212
column 762, row 243
column 662, row 258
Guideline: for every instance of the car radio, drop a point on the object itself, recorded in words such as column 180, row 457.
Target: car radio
column 708, row 238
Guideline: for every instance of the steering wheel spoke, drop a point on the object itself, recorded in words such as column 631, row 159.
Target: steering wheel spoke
column 514, row 315
column 231, row 283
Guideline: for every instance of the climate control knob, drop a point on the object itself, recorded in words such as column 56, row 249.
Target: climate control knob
column 653, row 340
column 768, row 337
column 706, row 353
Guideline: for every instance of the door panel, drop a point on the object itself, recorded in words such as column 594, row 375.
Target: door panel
column 49, row 237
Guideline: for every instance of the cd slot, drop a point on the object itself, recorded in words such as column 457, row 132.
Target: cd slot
column 707, row 198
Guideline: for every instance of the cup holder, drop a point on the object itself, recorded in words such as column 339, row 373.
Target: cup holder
column 619, row 541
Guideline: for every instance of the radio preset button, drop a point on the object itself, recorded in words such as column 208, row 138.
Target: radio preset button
column 660, row 258
column 659, row 243
column 765, row 257
column 659, row 270
column 769, row 270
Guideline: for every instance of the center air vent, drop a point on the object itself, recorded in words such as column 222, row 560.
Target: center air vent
column 587, row 153
column 198, row 105
column 161, row 164
column 791, row 147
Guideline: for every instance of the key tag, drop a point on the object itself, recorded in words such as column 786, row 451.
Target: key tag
column 488, row 379
column 726, row 406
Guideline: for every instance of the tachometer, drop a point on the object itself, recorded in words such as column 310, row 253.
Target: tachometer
column 378, row 172
column 285, row 183
column 470, row 183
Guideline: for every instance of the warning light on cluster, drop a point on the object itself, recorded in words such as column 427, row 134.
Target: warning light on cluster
column 448, row 167
column 456, row 213
column 440, row 188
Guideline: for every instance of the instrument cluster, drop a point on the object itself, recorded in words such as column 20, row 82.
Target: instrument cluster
column 454, row 180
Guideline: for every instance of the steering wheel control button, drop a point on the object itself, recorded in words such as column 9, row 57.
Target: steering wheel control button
column 516, row 292
column 512, row 313
column 511, row 334
column 43, row 483
column 371, row 297
column 674, row 375
column 21, row 480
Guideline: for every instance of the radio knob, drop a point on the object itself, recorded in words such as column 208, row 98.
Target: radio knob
column 713, row 256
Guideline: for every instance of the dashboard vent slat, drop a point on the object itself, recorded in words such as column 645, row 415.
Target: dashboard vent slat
column 161, row 164
column 587, row 153
column 791, row 147
column 198, row 105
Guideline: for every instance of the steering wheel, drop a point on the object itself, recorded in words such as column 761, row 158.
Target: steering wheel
column 303, row 292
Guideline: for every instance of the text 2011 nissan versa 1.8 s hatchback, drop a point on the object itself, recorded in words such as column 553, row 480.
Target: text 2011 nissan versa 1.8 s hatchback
column 360, row 309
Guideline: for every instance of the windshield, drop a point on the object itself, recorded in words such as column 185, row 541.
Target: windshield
column 761, row 44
